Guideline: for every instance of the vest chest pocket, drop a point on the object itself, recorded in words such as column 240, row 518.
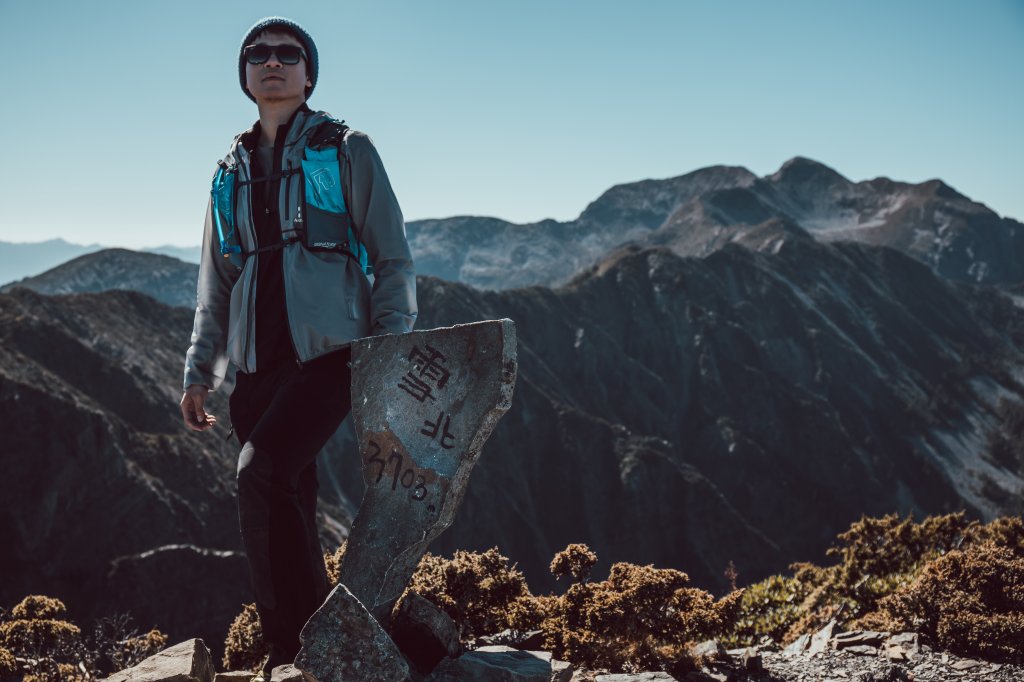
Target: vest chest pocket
column 327, row 222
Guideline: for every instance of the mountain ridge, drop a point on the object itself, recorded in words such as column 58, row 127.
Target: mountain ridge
column 740, row 408
column 692, row 213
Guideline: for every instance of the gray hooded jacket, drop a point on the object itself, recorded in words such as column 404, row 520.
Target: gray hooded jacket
column 329, row 299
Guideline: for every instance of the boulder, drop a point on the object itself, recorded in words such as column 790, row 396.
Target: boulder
column 495, row 664
column 636, row 677
column 751, row 661
column 798, row 646
column 286, row 673
column 904, row 646
column 561, row 671
column 188, row 661
column 424, row 633
column 529, row 639
column 859, row 638
column 234, row 676
column 342, row 642
column 820, row 640
column 709, row 649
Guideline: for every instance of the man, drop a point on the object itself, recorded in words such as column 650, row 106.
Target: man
column 281, row 294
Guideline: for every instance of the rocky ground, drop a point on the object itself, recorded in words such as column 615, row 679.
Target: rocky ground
column 855, row 656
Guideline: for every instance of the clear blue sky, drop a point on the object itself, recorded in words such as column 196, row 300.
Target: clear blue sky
column 114, row 113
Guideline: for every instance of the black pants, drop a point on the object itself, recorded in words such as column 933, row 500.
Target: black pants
column 284, row 416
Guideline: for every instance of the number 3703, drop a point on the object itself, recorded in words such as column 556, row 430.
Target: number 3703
column 408, row 478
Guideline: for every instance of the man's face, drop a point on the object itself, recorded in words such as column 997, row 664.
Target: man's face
column 273, row 81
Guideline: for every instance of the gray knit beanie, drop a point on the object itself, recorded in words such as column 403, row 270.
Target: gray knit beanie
column 312, row 63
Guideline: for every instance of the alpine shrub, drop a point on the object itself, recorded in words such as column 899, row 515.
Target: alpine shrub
column 639, row 618
column 877, row 556
column 244, row 648
column 574, row 561
column 768, row 608
column 479, row 591
column 37, row 606
column 969, row 601
column 8, row 666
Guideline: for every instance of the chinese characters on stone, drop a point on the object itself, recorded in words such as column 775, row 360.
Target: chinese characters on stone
column 427, row 375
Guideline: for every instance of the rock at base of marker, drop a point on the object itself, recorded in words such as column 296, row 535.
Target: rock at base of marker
column 188, row 661
column 234, row 676
column 495, row 664
column 342, row 642
column 636, row 677
column 423, row 632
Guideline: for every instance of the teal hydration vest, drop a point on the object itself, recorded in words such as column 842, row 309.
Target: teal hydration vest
column 322, row 220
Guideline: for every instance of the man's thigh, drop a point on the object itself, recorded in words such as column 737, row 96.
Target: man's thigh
column 304, row 412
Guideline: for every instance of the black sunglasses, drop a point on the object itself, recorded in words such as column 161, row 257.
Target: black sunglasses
column 260, row 53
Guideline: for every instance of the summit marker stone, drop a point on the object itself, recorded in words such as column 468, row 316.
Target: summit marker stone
column 423, row 405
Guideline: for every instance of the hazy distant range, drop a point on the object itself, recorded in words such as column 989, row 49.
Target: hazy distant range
column 18, row 260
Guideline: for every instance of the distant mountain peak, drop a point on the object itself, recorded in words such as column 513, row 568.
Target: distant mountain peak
column 801, row 169
column 648, row 203
column 165, row 278
column 941, row 190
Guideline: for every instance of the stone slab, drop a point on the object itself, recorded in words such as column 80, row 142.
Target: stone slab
column 423, row 632
column 821, row 638
column 797, row 646
column 234, row 676
column 286, row 673
column 424, row 403
column 495, row 664
column 636, row 677
column 342, row 642
column 859, row 637
column 561, row 671
column 187, row 661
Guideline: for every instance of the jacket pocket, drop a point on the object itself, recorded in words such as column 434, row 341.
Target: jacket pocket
column 357, row 292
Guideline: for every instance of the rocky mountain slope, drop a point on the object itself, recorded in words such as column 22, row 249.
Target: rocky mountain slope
column 744, row 407
column 109, row 503
column 792, row 390
column 167, row 279
column 697, row 213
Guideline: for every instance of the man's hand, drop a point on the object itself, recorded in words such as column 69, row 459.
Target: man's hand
column 192, row 408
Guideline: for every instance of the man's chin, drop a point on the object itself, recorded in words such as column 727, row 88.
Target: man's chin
column 274, row 98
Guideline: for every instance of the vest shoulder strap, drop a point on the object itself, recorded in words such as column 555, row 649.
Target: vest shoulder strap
column 328, row 134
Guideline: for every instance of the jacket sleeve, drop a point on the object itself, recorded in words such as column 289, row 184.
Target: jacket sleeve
column 378, row 222
column 206, row 361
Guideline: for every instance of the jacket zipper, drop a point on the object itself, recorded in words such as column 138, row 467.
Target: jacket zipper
column 251, row 321
column 287, row 191
column 284, row 280
column 287, row 180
